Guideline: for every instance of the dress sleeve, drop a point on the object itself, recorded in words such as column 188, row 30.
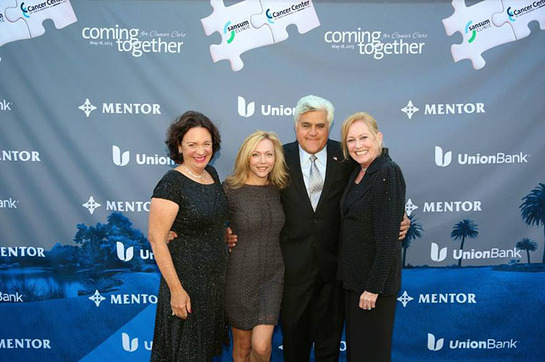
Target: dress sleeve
column 167, row 188
column 388, row 211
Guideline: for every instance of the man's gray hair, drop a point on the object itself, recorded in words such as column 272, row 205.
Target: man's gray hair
column 314, row 103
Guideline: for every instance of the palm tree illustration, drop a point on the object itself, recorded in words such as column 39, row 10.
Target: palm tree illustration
column 415, row 231
column 462, row 230
column 532, row 209
column 528, row 245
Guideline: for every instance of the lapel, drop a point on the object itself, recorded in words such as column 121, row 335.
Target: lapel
column 294, row 164
column 360, row 190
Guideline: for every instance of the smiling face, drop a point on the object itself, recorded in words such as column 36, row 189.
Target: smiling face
column 312, row 131
column 261, row 162
column 196, row 148
column 363, row 146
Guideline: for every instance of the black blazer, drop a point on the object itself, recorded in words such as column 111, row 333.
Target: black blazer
column 309, row 239
column 370, row 256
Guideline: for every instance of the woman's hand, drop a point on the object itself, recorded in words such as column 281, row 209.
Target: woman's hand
column 180, row 304
column 368, row 300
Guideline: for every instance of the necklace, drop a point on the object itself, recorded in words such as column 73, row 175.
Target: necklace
column 199, row 177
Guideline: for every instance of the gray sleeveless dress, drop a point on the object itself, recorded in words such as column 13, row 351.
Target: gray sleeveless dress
column 255, row 270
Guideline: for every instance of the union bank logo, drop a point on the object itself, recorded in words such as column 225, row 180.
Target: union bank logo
column 247, row 109
column 117, row 108
column 122, row 158
column 445, row 158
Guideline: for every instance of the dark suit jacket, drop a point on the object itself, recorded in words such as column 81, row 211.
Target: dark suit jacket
column 370, row 256
column 309, row 239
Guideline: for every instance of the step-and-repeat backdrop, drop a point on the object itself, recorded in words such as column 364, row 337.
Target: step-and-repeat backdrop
column 88, row 89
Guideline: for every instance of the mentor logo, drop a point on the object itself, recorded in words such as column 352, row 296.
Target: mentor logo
column 438, row 298
column 117, row 205
column 445, row 206
column 121, row 108
column 91, row 205
column 25, row 343
column 248, row 109
column 20, row 156
column 410, row 109
column 4, row 104
column 97, row 298
column 447, row 109
column 22, row 251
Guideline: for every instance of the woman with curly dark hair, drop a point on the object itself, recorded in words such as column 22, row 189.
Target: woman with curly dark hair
column 189, row 200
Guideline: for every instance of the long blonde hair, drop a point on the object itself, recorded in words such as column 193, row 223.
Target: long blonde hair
column 279, row 174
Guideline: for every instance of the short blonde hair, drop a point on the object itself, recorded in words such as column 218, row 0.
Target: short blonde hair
column 369, row 121
column 279, row 174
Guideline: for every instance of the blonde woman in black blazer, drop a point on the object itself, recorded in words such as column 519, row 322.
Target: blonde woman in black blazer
column 370, row 257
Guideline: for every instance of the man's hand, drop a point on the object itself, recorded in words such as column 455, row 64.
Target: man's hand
column 405, row 224
column 230, row 238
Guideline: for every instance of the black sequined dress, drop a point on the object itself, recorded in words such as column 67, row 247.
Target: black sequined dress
column 199, row 255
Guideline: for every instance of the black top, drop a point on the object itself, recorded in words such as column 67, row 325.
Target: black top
column 199, row 255
column 370, row 256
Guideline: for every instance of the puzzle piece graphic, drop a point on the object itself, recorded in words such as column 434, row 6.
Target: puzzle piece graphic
column 11, row 31
column 238, row 34
column 34, row 12
column 478, row 31
column 245, row 25
column 518, row 14
column 277, row 15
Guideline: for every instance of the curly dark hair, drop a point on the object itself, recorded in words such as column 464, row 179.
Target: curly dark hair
column 184, row 123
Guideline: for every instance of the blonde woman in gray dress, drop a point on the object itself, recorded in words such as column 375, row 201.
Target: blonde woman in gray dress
column 255, row 270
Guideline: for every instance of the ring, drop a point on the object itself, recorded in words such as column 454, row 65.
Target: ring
column 173, row 313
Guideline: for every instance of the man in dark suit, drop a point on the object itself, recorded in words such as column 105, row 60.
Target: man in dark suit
column 312, row 308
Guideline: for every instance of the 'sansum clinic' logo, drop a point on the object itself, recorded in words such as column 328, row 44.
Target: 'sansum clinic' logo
column 248, row 109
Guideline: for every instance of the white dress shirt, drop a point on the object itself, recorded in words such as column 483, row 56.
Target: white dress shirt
column 321, row 163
